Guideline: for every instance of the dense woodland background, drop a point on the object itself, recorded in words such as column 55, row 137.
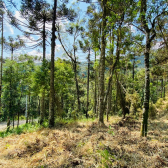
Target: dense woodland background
column 127, row 75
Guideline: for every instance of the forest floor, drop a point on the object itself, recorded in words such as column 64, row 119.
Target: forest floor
column 83, row 144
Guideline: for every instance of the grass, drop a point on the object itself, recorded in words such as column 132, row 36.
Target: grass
column 82, row 143
column 25, row 128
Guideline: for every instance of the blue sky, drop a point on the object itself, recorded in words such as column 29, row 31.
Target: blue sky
column 11, row 31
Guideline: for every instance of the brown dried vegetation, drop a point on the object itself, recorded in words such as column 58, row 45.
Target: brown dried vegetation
column 85, row 144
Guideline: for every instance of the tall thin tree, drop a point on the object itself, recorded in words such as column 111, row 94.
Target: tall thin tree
column 52, row 93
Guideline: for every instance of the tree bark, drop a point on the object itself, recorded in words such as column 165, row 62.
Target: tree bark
column 109, row 89
column 12, row 53
column 161, row 94
column 102, row 66
column 88, row 84
column 164, row 89
column 28, row 108
column 147, row 89
column 149, row 39
column 77, row 85
column 19, row 107
column 52, row 93
column 1, row 67
column 42, row 109
column 95, row 91
column 133, row 69
column 44, row 40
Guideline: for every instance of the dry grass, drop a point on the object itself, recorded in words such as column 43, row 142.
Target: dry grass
column 85, row 144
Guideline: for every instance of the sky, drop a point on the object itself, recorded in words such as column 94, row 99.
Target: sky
column 59, row 52
column 12, row 31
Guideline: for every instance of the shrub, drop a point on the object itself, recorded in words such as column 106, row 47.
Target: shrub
column 91, row 113
column 152, row 111
column 21, row 129
column 159, row 102
column 74, row 114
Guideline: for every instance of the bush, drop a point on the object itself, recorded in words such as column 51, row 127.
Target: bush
column 139, row 113
column 152, row 111
column 159, row 102
column 91, row 113
column 21, row 129
column 74, row 114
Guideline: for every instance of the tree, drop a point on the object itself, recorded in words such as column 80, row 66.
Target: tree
column 10, row 94
column 2, row 43
column 149, row 12
column 86, row 47
column 64, row 84
column 75, row 30
column 52, row 92
column 13, row 44
column 38, row 12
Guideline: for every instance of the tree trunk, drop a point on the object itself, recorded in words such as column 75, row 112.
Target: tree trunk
column 8, row 123
column 122, row 96
column 42, row 109
column 12, row 53
column 10, row 106
column 109, row 101
column 88, row 84
column 161, row 94
column 13, row 120
column 109, row 89
column 1, row 67
column 44, row 40
column 116, row 99
column 19, row 107
column 18, row 118
column 77, row 85
column 95, row 91
column 164, row 89
column 28, row 108
column 147, row 89
column 102, row 67
column 133, row 69
column 52, row 94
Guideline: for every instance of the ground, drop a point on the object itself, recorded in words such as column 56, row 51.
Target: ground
column 84, row 144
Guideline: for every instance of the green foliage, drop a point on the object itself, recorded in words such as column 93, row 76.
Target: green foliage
column 17, row 81
column 74, row 114
column 107, row 157
column 21, row 129
column 91, row 113
column 134, row 99
column 110, row 131
column 159, row 102
column 45, row 124
column 152, row 111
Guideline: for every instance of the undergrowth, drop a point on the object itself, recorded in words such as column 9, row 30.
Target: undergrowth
column 25, row 128
column 82, row 143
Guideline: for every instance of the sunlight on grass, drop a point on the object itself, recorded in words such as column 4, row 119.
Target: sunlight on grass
column 21, row 129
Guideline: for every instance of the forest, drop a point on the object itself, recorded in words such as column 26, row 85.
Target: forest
column 100, row 102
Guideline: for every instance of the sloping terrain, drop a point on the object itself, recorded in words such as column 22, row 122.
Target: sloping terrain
column 83, row 144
